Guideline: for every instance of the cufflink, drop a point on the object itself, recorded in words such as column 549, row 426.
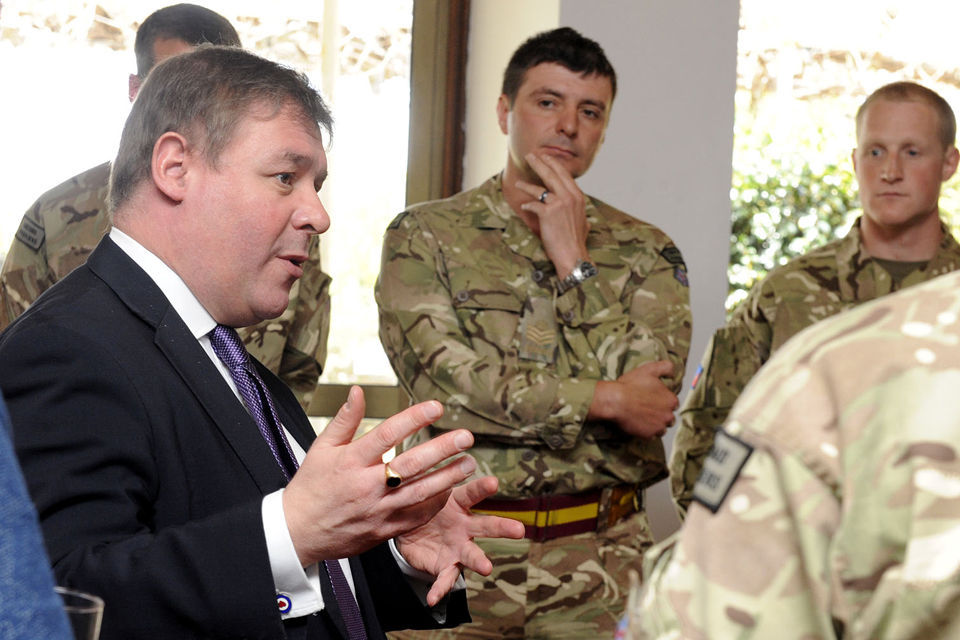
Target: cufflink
column 284, row 602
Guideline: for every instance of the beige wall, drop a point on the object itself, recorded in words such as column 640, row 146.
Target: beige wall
column 667, row 156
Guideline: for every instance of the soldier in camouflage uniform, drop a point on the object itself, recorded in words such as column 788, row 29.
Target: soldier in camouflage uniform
column 905, row 150
column 835, row 488
column 65, row 224
column 556, row 329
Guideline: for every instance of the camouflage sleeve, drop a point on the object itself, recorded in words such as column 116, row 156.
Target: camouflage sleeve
column 25, row 274
column 436, row 357
column 294, row 346
column 660, row 309
column 650, row 321
column 735, row 353
column 756, row 569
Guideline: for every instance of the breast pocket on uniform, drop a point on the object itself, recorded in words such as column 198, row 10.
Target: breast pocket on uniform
column 488, row 309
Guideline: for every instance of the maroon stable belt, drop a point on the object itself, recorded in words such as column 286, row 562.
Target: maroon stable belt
column 549, row 517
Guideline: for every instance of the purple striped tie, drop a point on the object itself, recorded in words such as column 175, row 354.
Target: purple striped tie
column 229, row 348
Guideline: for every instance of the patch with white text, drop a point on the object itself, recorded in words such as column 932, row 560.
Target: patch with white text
column 30, row 233
column 720, row 470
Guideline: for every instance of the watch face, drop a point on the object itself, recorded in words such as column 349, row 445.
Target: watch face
column 587, row 270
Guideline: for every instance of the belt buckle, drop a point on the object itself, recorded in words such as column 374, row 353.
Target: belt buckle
column 612, row 503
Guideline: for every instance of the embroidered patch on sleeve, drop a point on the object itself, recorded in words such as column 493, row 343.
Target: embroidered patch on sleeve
column 696, row 377
column 672, row 255
column 720, row 470
column 30, row 233
column 680, row 274
column 395, row 223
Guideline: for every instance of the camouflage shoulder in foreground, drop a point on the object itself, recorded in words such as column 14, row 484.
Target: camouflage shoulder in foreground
column 828, row 280
column 470, row 316
column 845, row 517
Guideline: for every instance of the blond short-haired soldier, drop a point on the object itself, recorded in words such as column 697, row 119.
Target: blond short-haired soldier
column 65, row 224
column 555, row 328
column 905, row 150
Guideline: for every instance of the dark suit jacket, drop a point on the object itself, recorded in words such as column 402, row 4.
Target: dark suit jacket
column 148, row 474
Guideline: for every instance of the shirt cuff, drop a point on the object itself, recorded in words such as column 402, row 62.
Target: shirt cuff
column 421, row 581
column 298, row 589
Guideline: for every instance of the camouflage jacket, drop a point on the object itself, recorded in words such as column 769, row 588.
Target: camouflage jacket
column 61, row 229
column 822, row 283
column 844, row 521
column 470, row 316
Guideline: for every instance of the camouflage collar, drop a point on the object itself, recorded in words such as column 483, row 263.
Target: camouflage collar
column 862, row 278
column 487, row 209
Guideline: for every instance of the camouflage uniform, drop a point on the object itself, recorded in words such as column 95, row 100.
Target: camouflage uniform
column 844, row 520
column 67, row 222
column 822, row 283
column 469, row 316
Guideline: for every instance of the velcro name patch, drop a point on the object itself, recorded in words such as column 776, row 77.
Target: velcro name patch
column 720, row 470
column 30, row 233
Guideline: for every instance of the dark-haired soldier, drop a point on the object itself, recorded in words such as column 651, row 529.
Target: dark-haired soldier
column 65, row 224
column 555, row 328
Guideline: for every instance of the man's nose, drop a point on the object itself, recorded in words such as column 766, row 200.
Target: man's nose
column 567, row 122
column 311, row 215
column 892, row 168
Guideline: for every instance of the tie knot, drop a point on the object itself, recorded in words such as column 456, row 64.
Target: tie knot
column 228, row 347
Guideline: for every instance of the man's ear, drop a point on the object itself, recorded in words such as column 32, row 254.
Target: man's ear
column 169, row 165
column 950, row 160
column 133, row 86
column 503, row 111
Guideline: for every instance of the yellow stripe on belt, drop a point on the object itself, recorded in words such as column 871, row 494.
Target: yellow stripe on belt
column 548, row 518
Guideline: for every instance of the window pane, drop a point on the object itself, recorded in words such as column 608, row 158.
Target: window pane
column 64, row 67
column 803, row 70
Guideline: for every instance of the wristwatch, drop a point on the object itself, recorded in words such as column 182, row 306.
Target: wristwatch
column 581, row 272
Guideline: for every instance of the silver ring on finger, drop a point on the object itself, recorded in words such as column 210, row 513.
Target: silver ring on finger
column 543, row 196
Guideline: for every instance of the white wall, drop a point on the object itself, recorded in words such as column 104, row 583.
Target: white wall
column 667, row 156
column 668, row 151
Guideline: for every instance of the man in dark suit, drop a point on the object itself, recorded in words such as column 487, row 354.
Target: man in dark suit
column 164, row 467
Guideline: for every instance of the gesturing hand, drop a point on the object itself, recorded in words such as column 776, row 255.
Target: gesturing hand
column 444, row 546
column 338, row 505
